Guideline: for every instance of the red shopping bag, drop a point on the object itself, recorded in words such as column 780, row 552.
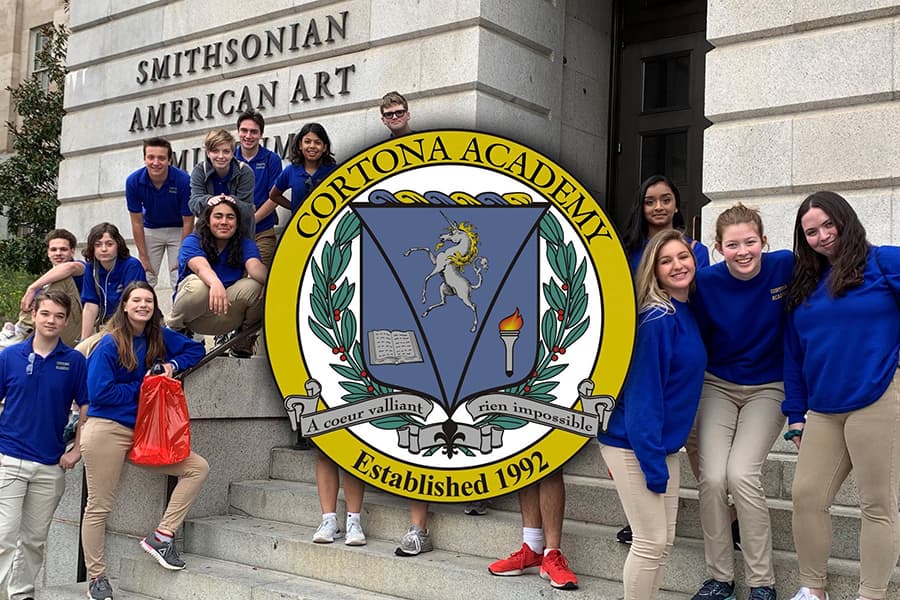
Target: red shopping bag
column 162, row 432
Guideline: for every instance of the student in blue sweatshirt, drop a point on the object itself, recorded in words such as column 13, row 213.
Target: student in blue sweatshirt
column 739, row 305
column 657, row 206
column 842, row 397
column 656, row 409
column 133, row 342
column 109, row 268
column 311, row 161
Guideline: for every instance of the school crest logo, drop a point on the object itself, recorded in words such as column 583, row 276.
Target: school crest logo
column 450, row 316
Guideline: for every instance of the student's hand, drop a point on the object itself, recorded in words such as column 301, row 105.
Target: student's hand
column 798, row 438
column 27, row 300
column 218, row 299
column 68, row 460
column 145, row 262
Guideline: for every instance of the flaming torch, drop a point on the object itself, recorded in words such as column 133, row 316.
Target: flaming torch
column 509, row 333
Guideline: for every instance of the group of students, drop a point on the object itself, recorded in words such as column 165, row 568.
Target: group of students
column 723, row 354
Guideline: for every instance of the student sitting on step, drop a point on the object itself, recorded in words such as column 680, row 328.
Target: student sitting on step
column 656, row 409
column 220, row 277
column 842, row 390
column 133, row 341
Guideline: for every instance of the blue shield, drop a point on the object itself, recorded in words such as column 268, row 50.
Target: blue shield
column 436, row 283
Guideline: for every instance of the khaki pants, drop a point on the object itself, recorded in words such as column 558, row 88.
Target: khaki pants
column 104, row 447
column 868, row 442
column 29, row 495
column 736, row 427
column 164, row 240
column 652, row 519
column 266, row 241
column 73, row 330
column 191, row 307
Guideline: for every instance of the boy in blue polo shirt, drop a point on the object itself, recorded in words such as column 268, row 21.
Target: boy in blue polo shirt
column 157, row 196
column 266, row 169
column 40, row 378
column 221, row 277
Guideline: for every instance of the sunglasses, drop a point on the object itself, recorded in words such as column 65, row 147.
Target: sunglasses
column 395, row 114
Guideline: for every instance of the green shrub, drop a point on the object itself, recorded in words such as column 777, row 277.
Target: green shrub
column 12, row 287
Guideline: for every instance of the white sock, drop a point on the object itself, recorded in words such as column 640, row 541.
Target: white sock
column 352, row 517
column 534, row 537
column 329, row 516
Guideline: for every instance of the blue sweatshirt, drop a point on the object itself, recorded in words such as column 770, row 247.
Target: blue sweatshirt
column 841, row 353
column 104, row 288
column 656, row 409
column 113, row 391
column 39, row 392
column 701, row 253
column 742, row 322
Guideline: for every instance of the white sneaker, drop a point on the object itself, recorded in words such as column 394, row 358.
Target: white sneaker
column 12, row 334
column 354, row 535
column 804, row 594
column 326, row 532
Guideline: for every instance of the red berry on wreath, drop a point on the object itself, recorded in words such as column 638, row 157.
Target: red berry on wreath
column 363, row 374
column 554, row 357
column 335, row 350
column 333, row 287
column 565, row 287
column 370, row 389
column 343, row 357
column 562, row 350
column 527, row 388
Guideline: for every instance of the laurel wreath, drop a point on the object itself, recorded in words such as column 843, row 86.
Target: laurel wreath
column 562, row 324
column 335, row 324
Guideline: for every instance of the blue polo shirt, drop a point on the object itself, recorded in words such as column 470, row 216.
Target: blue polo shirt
column 192, row 248
column 163, row 207
column 295, row 178
column 109, row 284
column 266, row 167
column 39, row 392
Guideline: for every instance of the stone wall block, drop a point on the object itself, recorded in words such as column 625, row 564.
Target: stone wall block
column 734, row 19
column 749, row 156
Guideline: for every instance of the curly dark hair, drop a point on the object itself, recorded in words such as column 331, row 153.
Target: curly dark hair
column 636, row 229
column 847, row 264
column 208, row 240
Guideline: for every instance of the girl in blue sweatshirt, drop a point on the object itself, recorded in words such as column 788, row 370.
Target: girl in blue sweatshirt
column 134, row 341
column 842, row 397
column 655, row 411
column 739, row 305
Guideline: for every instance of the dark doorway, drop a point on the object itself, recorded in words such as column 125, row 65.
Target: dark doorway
column 657, row 117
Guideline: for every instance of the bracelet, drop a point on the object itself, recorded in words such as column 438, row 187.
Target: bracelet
column 792, row 433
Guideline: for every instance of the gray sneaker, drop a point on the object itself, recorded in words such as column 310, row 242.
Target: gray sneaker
column 355, row 535
column 164, row 553
column 326, row 532
column 476, row 509
column 416, row 541
column 99, row 589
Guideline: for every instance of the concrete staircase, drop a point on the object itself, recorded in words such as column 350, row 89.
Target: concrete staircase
column 262, row 549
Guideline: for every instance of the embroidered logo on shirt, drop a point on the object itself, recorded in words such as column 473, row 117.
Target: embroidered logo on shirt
column 62, row 365
column 778, row 292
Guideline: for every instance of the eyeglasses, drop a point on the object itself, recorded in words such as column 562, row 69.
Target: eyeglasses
column 395, row 114
column 29, row 369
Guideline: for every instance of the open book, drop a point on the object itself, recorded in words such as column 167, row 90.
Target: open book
column 393, row 347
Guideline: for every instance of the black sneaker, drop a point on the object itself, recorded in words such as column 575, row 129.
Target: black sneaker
column 99, row 588
column 763, row 593
column 736, row 535
column 715, row 590
column 624, row 535
column 164, row 552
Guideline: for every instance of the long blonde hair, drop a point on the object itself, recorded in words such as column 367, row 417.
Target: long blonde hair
column 650, row 294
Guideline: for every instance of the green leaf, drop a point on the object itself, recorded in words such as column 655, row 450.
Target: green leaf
column 570, row 259
column 466, row 451
column 356, row 350
column 542, row 397
column 550, row 371
column 577, row 309
column 355, row 397
column 548, row 327
column 318, row 276
column 320, row 310
column 348, row 327
column 555, row 297
column 342, row 260
column 543, row 388
column 550, row 229
column 578, row 279
column 431, row 451
column 342, row 295
column 327, row 260
column 347, row 229
column 321, row 333
column 345, row 371
column 506, row 422
column 576, row 333
column 558, row 262
column 390, row 423
column 355, row 388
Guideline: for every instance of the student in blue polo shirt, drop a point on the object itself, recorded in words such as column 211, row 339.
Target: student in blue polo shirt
column 110, row 267
column 214, row 296
column 157, row 196
column 266, row 167
column 311, row 162
column 40, row 378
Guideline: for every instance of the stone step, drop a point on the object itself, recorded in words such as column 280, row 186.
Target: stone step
column 78, row 591
column 210, row 578
column 590, row 546
column 437, row 575
column 777, row 474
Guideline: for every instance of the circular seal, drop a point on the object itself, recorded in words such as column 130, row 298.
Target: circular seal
column 449, row 316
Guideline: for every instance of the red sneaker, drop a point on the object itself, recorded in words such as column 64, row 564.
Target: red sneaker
column 524, row 560
column 555, row 568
